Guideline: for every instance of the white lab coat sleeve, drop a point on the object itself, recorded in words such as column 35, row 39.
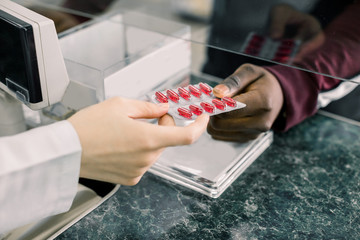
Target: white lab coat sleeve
column 39, row 173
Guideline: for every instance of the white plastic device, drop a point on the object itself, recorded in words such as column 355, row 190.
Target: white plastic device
column 51, row 72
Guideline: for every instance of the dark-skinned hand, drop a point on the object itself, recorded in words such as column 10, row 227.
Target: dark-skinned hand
column 307, row 28
column 262, row 94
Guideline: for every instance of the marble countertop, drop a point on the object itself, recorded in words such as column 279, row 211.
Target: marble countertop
column 306, row 185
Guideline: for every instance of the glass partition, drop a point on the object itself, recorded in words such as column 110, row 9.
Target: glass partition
column 315, row 36
column 278, row 32
column 291, row 33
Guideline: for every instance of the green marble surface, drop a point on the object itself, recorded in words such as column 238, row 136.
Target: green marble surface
column 306, row 185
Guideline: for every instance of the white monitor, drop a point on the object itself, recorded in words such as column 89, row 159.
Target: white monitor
column 32, row 67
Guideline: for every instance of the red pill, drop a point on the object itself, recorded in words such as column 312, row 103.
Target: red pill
column 185, row 112
column 288, row 42
column 205, row 88
column 229, row 101
column 161, row 97
column 172, row 95
column 207, row 107
column 281, row 54
column 255, row 45
column 184, row 93
column 257, row 38
column 194, row 91
column 284, row 50
column 196, row 109
column 219, row 104
column 282, row 59
column 252, row 51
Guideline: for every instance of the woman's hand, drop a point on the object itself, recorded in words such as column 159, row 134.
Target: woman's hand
column 118, row 147
column 262, row 94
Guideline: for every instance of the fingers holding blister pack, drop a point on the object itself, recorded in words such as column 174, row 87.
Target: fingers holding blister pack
column 187, row 103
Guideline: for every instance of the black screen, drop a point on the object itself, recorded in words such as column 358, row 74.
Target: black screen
column 18, row 62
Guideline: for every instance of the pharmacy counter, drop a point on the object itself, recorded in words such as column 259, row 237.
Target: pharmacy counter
column 306, row 185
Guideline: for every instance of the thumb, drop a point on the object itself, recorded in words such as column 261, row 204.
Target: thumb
column 242, row 77
column 279, row 18
column 142, row 109
column 165, row 136
column 277, row 26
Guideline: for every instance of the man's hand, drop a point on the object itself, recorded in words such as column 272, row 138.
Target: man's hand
column 118, row 147
column 307, row 28
column 262, row 94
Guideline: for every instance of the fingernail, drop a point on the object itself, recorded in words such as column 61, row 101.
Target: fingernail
column 221, row 89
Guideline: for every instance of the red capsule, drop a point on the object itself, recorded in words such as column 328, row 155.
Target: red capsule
column 229, row 101
column 207, row 107
column 196, row 109
column 282, row 59
column 284, row 50
column 288, row 42
column 161, row 97
column 194, row 91
column 184, row 93
column 219, row 104
column 185, row 112
column 255, row 45
column 172, row 95
column 257, row 38
column 252, row 51
column 205, row 88
column 281, row 54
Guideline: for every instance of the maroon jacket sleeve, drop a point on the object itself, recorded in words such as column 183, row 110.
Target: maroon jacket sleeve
column 338, row 56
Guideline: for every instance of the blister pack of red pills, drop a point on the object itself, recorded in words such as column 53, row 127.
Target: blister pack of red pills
column 277, row 50
column 188, row 102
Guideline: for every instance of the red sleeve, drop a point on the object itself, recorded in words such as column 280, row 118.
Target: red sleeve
column 339, row 56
